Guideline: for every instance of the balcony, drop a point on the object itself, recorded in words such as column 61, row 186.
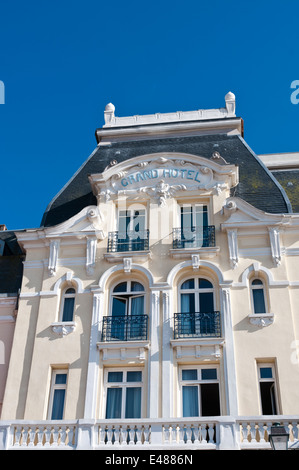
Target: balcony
column 125, row 328
column 194, row 237
column 119, row 242
column 197, row 325
column 171, row 434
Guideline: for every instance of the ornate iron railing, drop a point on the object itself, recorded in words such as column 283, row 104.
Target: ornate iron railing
column 197, row 325
column 128, row 241
column 194, row 237
column 125, row 328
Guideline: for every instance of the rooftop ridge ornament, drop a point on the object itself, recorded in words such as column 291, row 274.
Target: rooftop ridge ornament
column 180, row 116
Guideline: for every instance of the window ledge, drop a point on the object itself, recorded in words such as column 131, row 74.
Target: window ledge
column 261, row 319
column 120, row 256
column 194, row 348
column 185, row 253
column 63, row 328
column 128, row 351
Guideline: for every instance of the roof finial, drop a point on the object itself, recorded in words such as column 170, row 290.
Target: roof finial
column 230, row 101
column 109, row 113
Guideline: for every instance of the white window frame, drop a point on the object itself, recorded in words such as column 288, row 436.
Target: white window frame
column 129, row 294
column 271, row 366
column 197, row 383
column 131, row 209
column 194, row 206
column 262, row 287
column 64, row 296
column 123, row 385
column 196, row 291
column 54, row 387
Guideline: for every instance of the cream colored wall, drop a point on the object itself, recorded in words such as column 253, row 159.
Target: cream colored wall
column 36, row 349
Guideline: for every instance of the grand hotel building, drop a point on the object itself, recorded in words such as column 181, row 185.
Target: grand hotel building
column 157, row 304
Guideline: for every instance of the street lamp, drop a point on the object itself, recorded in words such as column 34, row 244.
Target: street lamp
column 278, row 437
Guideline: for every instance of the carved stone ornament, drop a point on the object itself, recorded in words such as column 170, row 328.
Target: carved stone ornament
column 63, row 328
column 162, row 177
column 261, row 319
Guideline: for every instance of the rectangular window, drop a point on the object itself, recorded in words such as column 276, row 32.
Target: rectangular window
column 194, row 225
column 132, row 235
column 200, row 391
column 57, row 394
column 268, row 392
column 123, row 394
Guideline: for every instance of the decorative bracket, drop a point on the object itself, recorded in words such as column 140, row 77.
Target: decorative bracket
column 53, row 256
column 275, row 245
column 232, row 238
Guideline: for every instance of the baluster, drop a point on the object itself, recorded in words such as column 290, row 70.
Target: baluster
column 122, row 436
column 211, row 432
column 63, row 436
column 38, row 437
column 101, row 435
column 252, row 431
column 181, row 434
column 109, row 435
column 167, row 431
column 116, row 433
column 55, row 436
column 130, row 436
column 138, row 434
column 268, row 430
column 188, row 432
column 261, row 429
column 18, row 436
column 245, row 432
column 295, row 430
column 146, row 435
column 203, row 433
column 25, row 433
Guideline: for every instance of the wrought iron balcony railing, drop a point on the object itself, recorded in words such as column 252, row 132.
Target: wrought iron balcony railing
column 125, row 328
column 197, row 325
column 194, row 237
column 128, row 241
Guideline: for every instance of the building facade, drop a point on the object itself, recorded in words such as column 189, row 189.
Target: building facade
column 158, row 306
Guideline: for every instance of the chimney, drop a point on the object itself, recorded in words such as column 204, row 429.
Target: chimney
column 2, row 228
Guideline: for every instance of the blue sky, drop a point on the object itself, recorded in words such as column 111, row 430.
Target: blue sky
column 62, row 62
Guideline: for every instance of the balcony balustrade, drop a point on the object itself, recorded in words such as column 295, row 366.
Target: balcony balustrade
column 125, row 328
column 194, row 237
column 197, row 325
column 128, row 241
column 215, row 433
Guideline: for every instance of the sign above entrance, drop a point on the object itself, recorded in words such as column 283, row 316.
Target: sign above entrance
column 162, row 177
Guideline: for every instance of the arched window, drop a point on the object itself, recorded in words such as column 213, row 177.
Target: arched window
column 128, row 319
column 258, row 296
column 197, row 316
column 68, row 304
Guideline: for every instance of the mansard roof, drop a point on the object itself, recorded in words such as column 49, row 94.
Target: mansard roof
column 257, row 185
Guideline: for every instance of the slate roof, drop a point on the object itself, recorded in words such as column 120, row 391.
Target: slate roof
column 11, row 264
column 289, row 180
column 257, row 185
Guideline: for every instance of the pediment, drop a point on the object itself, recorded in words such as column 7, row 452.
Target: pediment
column 239, row 213
column 87, row 222
column 162, row 175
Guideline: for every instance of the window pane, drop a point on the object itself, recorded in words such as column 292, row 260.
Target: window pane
column 113, row 406
column 134, row 376
column 60, row 379
column 208, row 374
column 206, row 302
column 187, row 303
column 133, row 402
column 137, row 287
column 115, row 376
column 210, row 403
column 266, row 373
column 68, row 309
column 268, row 398
column 201, row 214
column 122, row 287
column 204, row 284
column 257, row 282
column 189, row 284
column 119, row 306
column 259, row 301
column 137, row 305
column 70, row 291
column 189, row 374
column 58, row 404
column 190, row 401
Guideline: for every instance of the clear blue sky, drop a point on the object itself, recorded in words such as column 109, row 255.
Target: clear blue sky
column 63, row 61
